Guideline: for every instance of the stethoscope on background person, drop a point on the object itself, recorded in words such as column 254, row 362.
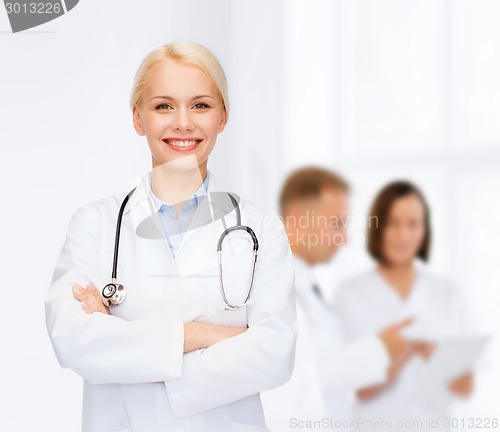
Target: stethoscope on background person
column 114, row 293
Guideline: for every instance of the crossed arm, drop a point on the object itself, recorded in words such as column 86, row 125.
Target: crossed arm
column 197, row 335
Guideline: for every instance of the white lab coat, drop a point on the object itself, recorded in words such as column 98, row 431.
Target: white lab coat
column 327, row 370
column 122, row 356
column 366, row 304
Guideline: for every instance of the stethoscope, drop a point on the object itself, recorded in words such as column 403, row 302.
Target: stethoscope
column 114, row 293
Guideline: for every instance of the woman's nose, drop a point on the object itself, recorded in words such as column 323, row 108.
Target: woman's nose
column 183, row 121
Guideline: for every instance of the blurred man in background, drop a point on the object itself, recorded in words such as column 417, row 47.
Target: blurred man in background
column 313, row 205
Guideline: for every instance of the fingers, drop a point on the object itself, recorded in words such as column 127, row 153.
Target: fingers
column 405, row 323
column 93, row 290
column 89, row 297
column 466, row 377
column 462, row 386
column 424, row 349
column 423, row 344
column 86, row 307
column 79, row 292
column 395, row 328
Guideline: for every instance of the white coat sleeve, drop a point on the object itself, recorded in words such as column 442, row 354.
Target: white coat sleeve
column 104, row 348
column 259, row 359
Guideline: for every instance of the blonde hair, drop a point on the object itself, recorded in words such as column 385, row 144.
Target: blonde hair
column 188, row 53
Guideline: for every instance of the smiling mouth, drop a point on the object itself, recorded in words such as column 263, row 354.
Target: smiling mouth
column 182, row 142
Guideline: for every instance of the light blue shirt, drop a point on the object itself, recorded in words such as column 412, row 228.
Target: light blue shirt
column 175, row 228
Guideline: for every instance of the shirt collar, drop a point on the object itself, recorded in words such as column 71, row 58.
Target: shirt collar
column 202, row 190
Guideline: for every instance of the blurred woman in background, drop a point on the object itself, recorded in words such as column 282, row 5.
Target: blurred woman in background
column 399, row 235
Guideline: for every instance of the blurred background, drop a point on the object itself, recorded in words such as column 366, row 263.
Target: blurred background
column 376, row 90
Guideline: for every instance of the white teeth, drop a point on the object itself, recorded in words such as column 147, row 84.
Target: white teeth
column 182, row 143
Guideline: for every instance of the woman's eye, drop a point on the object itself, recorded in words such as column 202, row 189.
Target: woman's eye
column 162, row 106
column 201, row 105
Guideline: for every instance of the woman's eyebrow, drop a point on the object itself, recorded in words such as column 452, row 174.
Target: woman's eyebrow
column 202, row 96
column 171, row 98
column 161, row 97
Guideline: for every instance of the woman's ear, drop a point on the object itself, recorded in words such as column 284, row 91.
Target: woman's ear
column 136, row 118
column 222, row 123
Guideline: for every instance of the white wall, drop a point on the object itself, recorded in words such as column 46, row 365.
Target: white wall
column 375, row 89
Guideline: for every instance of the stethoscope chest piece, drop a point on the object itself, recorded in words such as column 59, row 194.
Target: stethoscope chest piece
column 113, row 294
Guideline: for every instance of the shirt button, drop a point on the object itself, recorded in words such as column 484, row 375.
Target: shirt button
column 184, row 218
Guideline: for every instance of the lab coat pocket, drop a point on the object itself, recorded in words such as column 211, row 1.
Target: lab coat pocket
column 246, row 427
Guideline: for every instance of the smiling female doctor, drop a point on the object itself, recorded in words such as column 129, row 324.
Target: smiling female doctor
column 171, row 356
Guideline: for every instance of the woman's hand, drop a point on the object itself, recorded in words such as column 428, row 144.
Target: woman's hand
column 406, row 350
column 90, row 299
column 463, row 385
column 198, row 335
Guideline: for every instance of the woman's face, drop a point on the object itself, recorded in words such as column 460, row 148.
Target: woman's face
column 405, row 230
column 180, row 115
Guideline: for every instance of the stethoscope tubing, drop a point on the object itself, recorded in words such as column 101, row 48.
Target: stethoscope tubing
column 114, row 287
column 117, row 233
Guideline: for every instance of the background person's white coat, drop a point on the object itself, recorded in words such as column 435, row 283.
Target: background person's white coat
column 367, row 303
column 328, row 370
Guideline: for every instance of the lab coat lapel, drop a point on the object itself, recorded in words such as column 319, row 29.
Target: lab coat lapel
column 147, row 228
column 146, row 221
